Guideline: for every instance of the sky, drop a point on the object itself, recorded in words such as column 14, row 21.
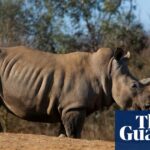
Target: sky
column 143, row 13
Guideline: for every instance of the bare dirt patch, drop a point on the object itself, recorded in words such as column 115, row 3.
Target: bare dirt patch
column 10, row 141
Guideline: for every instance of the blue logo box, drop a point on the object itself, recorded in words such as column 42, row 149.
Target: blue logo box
column 132, row 130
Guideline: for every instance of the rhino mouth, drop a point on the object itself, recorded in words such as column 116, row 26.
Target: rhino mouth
column 135, row 107
column 147, row 106
column 144, row 107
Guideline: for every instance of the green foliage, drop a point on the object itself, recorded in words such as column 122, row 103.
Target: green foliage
column 133, row 39
column 11, row 28
column 69, row 25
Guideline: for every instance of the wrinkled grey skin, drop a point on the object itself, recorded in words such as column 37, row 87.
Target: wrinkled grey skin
column 65, row 88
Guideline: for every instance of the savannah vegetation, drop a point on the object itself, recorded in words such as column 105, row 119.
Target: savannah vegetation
column 63, row 26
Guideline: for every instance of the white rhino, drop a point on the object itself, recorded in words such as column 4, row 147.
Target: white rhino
column 65, row 88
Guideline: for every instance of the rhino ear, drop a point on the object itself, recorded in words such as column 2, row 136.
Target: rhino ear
column 127, row 55
column 119, row 53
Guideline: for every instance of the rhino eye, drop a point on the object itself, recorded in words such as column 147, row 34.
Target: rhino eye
column 134, row 85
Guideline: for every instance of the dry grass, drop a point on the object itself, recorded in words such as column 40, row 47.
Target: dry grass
column 40, row 142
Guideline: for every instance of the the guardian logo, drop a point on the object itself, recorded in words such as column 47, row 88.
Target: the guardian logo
column 142, row 133
column 132, row 130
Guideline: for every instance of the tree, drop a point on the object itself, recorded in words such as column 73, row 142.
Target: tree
column 11, row 28
column 70, row 25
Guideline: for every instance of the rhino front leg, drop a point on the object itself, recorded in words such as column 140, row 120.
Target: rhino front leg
column 73, row 122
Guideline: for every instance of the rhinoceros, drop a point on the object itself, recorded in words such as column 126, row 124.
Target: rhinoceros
column 45, row 87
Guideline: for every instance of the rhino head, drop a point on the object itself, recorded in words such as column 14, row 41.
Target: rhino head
column 127, row 91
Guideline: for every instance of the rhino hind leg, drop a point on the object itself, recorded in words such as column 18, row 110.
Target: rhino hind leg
column 73, row 123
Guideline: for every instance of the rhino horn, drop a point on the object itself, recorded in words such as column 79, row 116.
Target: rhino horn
column 145, row 81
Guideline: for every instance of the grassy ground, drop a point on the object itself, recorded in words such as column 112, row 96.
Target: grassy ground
column 40, row 142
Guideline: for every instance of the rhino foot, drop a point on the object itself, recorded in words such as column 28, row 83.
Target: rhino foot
column 62, row 135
